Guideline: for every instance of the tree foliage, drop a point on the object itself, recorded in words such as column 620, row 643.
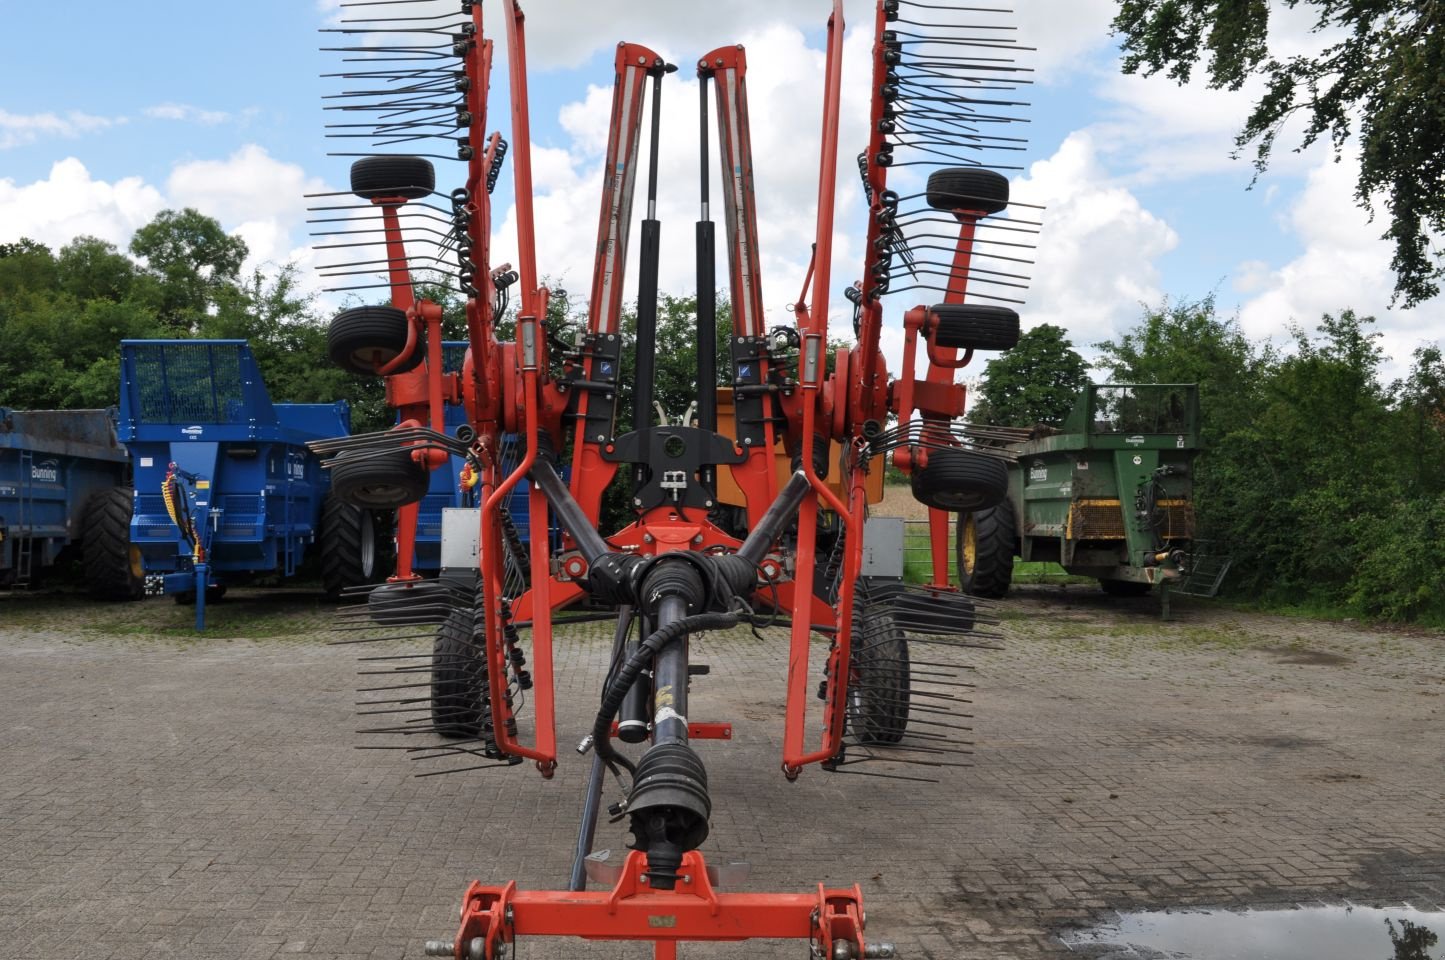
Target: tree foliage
column 1324, row 484
column 192, row 261
column 1382, row 83
column 63, row 314
column 1035, row 382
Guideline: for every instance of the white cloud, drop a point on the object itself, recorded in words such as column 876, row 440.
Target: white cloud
column 784, row 86
column 1159, row 130
column 251, row 193
column 1344, row 264
column 17, row 129
column 1095, row 261
column 260, row 198
column 186, row 113
column 69, row 203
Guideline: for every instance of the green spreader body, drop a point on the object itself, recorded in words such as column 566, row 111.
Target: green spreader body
column 1110, row 496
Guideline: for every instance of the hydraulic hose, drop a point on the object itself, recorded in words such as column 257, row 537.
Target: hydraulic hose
column 627, row 675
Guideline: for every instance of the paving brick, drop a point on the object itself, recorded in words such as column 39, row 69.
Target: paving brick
column 169, row 796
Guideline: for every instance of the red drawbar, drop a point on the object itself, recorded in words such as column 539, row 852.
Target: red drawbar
column 633, row 910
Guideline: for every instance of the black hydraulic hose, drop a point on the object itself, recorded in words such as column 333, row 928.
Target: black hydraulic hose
column 632, row 669
column 592, row 799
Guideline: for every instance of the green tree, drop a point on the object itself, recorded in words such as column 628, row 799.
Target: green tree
column 1186, row 341
column 1380, row 84
column 25, row 265
column 92, row 269
column 1422, row 410
column 192, row 259
column 1035, row 382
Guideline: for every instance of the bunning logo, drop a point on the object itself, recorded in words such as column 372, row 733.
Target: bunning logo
column 46, row 472
column 192, row 432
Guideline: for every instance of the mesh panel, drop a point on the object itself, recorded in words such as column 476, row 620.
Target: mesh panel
column 189, row 383
column 1178, row 520
column 1141, row 409
column 453, row 353
column 1096, row 520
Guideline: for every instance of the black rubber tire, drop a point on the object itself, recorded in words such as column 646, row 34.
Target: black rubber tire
column 975, row 326
column 457, row 673
column 112, row 568
column 960, row 481
column 385, row 178
column 364, row 338
column 967, row 188
column 418, row 601
column 351, row 552
column 379, row 480
column 1125, row 588
column 880, row 678
column 995, row 536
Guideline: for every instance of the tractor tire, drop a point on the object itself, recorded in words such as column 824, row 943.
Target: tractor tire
column 113, row 568
column 986, row 542
column 879, row 681
column 457, row 673
column 960, row 481
column 975, row 326
column 364, row 338
column 350, row 547
column 386, row 178
column 967, row 188
column 381, row 480
column 1125, row 588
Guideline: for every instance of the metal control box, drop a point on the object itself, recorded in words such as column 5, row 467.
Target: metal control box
column 461, row 536
column 883, row 547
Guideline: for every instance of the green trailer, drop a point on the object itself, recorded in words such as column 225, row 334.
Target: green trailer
column 1108, row 496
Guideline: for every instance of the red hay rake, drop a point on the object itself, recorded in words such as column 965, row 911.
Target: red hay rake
column 941, row 78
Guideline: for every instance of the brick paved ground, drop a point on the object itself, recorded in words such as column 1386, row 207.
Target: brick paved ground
column 168, row 797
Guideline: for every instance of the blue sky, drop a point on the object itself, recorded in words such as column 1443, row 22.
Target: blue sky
column 161, row 103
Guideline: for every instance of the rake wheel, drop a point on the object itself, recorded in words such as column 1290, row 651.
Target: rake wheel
column 975, row 326
column 456, row 678
column 960, row 481
column 385, row 178
column 384, row 480
column 974, row 189
column 879, row 684
column 364, row 338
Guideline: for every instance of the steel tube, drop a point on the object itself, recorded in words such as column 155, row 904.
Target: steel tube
column 669, row 679
column 770, row 527
column 569, row 514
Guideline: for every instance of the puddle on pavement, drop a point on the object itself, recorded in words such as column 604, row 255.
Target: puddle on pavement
column 1308, row 933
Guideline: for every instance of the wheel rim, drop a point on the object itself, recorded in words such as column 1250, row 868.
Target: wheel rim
column 370, row 358
column 970, row 544
column 368, row 546
column 384, row 494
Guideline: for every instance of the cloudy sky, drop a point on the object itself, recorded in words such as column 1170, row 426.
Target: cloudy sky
column 111, row 114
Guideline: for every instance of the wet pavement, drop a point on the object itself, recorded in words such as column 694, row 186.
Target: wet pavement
column 1323, row 932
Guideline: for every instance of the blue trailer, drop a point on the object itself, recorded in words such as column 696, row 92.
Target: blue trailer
column 61, row 473
column 225, row 487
